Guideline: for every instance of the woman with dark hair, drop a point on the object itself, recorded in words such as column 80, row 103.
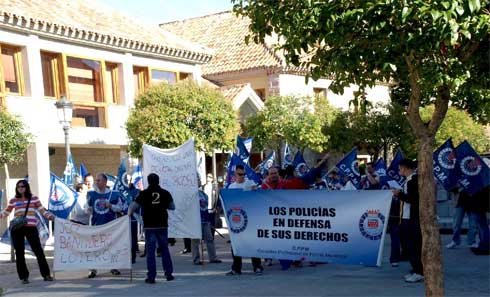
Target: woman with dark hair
column 25, row 205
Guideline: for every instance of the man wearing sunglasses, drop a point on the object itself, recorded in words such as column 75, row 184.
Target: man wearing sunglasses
column 241, row 182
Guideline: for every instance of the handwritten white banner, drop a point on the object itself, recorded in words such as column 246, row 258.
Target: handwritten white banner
column 178, row 174
column 78, row 247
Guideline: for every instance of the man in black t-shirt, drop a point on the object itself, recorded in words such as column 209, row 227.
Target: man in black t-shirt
column 155, row 201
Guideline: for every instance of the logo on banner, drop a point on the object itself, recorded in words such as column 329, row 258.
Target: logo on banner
column 238, row 219
column 371, row 224
column 301, row 169
column 355, row 167
column 446, row 158
column 470, row 166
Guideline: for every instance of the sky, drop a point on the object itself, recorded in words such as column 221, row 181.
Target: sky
column 161, row 11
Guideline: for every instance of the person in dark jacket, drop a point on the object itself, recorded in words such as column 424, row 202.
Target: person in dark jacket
column 155, row 202
column 478, row 206
column 410, row 221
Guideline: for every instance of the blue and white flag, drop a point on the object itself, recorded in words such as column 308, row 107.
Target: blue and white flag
column 475, row 173
column 393, row 171
column 445, row 169
column 83, row 170
column 111, row 180
column 380, row 168
column 70, row 173
column 287, row 156
column 61, row 198
column 243, row 148
column 249, row 172
column 267, row 163
column 121, row 184
column 349, row 166
column 137, row 178
column 299, row 164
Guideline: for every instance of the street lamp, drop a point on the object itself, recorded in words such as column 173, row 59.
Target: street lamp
column 65, row 111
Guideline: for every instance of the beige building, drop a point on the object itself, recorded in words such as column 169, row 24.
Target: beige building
column 100, row 60
column 235, row 63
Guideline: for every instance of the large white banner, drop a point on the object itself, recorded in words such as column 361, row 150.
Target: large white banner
column 345, row 227
column 178, row 174
column 78, row 246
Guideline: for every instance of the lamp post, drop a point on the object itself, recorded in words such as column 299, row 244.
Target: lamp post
column 65, row 111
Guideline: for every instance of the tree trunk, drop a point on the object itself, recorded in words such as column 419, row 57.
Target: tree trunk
column 431, row 240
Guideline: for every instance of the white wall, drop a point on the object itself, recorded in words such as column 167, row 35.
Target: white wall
column 295, row 85
column 39, row 113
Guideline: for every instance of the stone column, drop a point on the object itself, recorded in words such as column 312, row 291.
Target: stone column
column 38, row 169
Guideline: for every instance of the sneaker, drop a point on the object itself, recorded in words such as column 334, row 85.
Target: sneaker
column 25, row 281
column 48, row 278
column 185, row 251
column 170, row 278
column 268, row 262
column 451, row 245
column 233, row 272
column 415, row 278
column 216, row 261
column 92, row 274
column 474, row 245
column 259, row 271
column 408, row 275
column 115, row 272
column 395, row 264
column 149, row 281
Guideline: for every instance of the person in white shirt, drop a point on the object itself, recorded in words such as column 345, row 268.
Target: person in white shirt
column 241, row 182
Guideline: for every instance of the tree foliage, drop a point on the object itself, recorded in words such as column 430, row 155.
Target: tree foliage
column 166, row 116
column 13, row 140
column 379, row 128
column 432, row 51
column 459, row 125
column 298, row 121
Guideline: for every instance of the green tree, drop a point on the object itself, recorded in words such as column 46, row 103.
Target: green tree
column 375, row 131
column 459, row 126
column 13, row 140
column 298, row 121
column 165, row 116
column 431, row 49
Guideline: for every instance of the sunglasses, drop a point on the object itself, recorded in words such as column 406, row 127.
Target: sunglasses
column 240, row 174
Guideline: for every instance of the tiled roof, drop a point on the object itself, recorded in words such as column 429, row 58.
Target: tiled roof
column 230, row 92
column 92, row 23
column 225, row 33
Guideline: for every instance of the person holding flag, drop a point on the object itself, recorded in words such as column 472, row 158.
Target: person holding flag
column 104, row 205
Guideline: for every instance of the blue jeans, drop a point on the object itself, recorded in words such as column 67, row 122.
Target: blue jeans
column 152, row 236
column 459, row 213
column 481, row 220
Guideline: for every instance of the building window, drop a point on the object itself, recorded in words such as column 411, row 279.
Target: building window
column 185, row 75
column 320, row 92
column 260, row 93
column 12, row 70
column 140, row 79
column 88, row 116
column 50, row 63
column 84, row 80
column 111, row 83
column 159, row 76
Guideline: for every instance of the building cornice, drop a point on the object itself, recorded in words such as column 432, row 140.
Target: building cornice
column 100, row 40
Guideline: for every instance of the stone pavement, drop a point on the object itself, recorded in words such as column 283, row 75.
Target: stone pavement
column 465, row 275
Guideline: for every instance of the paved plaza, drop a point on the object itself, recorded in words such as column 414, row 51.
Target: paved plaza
column 466, row 275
